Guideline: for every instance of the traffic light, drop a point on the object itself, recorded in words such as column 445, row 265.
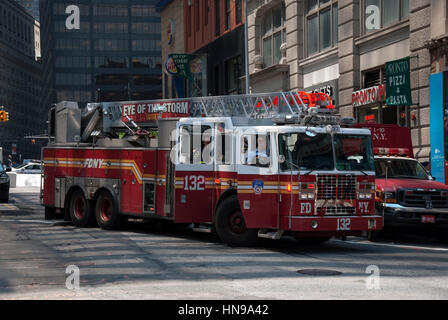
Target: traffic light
column 33, row 141
column 2, row 116
column 6, row 116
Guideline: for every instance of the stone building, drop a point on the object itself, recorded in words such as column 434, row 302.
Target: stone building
column 341, row 47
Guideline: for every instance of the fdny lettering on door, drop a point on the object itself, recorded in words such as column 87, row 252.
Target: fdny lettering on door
column 93, row 163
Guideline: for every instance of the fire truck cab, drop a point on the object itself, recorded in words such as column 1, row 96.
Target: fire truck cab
column 248, row 166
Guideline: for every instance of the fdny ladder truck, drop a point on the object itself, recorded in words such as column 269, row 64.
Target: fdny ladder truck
column 242, row 166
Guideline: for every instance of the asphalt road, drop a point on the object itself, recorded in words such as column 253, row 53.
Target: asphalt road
column 152, row 262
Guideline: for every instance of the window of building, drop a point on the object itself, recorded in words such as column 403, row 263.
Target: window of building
column 228, row 11
column 321, row 25
column 274, row 34
column 392, row 11
column 217, row 18
column 233, row 74
column 238, row 11
column 196, row 15
column 189, row 19
column 111, row 62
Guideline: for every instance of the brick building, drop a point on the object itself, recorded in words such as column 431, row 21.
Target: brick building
column 212, row 31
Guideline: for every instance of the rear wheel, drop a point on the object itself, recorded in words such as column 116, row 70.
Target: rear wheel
column 443, row 236
column 80, row 211
column 106, row 212
column 230, row 224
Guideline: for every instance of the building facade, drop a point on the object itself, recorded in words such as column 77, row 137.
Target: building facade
column 31, row 6
column 342, row 48
column 212, row 33
column 113, row 54
column 20, row 82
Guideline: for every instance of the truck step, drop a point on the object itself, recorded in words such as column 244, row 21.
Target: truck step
column 264, row 233
column 200, row 228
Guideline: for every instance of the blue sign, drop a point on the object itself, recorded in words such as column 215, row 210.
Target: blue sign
column 436, row 126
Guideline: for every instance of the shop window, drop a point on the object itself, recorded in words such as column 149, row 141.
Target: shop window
column 391, row 11
column 321, row 25
column 274, row 34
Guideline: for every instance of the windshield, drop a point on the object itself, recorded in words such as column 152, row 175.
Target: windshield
column 400, row 168
column 353, row 152
column 305, row 152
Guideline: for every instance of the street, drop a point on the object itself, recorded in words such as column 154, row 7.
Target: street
column 143, row 261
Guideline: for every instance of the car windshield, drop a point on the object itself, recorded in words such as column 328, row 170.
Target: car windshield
column 400, row 169
column 353, row 152
column 306, row 152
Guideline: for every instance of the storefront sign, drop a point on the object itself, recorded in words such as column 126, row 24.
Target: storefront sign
column 369, row 95
column 398, row 83
column 436, row 126
column 181, row 63
column 330, row 88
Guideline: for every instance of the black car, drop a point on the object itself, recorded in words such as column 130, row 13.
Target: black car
column 4, row 183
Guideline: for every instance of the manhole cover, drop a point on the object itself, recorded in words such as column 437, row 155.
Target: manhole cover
column 319, row 272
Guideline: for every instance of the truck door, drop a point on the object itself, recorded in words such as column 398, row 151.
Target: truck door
column 258, row 180
column 194, row 180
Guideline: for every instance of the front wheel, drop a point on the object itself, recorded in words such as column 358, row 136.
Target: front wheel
column 230, row 225
column 106, row 212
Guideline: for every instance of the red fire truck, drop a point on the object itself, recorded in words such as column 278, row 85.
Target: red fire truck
column 406, row 193
column 243, row 166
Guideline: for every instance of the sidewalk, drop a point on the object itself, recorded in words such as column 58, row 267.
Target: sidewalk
column 24, row 190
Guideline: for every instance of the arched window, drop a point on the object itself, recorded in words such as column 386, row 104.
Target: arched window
column 273, row 34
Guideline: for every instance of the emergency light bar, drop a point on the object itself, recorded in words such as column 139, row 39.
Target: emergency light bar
column 392, row 151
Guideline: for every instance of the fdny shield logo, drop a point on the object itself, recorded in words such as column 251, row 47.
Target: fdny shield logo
column 257, row 185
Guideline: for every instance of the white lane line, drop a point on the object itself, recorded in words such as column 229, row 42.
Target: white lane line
column 27, row 221
column 392, row 245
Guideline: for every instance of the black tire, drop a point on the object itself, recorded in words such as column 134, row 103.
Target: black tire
column 443, row 236
column 230, row 225
column 50, row 213
column 106, row 212
column 80, row 210
column 374, row 235
column 6, row 200
column 313, row 241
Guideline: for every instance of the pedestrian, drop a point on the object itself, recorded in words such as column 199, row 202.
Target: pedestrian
column 9, row 162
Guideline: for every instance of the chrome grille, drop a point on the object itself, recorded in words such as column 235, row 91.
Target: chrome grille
column 336, row 187
column 337, row 210
column 419, row 198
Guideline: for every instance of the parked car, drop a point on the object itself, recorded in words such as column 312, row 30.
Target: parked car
column 32, row 167
column 4, row 183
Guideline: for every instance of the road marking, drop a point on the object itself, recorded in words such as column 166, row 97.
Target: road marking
column 8, row 207
column 392, row 245
column 27, row 221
